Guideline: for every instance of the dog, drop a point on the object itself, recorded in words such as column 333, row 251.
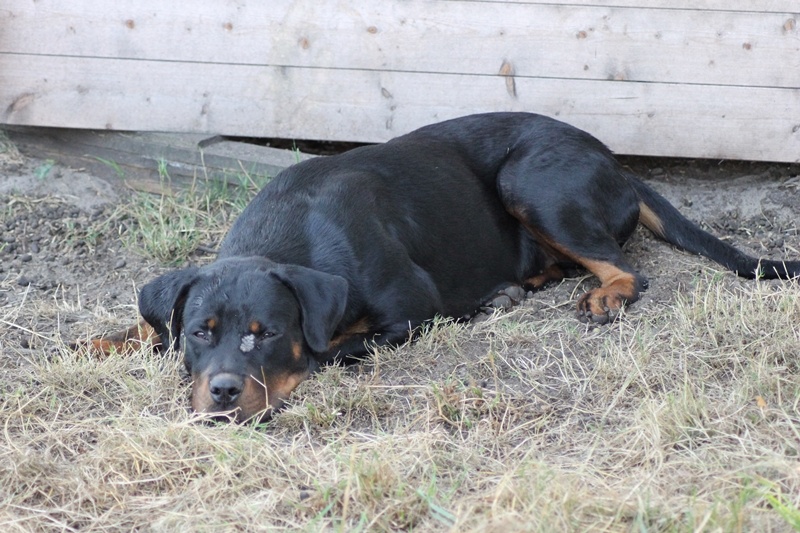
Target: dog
column 338, row 255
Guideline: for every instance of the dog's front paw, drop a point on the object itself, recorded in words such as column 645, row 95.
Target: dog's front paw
column 506, row 298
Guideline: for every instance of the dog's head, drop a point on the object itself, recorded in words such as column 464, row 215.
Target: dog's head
column 249, row 329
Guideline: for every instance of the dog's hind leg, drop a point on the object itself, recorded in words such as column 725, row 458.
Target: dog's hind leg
column 620, row 283
column 578, row 209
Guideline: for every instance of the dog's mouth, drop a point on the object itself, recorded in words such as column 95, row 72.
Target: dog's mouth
column 227, row 397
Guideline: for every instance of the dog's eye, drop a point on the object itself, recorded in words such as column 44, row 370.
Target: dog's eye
column 202, row 335
column 267, row 335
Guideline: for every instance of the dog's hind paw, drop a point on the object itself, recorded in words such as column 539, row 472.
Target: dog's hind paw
column 600, row 306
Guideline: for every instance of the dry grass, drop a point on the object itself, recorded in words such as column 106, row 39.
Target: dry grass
column 683, row 418
column 8, row 150
column 686, row 421
column 169, row 227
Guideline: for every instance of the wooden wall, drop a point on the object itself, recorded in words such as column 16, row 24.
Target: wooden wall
column 714, row 78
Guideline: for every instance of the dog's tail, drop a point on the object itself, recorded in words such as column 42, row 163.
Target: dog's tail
column 666, row 222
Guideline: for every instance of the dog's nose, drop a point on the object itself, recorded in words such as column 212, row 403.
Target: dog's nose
column 225, row 388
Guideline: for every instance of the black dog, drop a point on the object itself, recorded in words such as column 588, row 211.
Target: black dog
column 340, row 253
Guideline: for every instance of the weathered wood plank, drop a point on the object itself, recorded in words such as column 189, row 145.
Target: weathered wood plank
column 357, row 105
column 348, row 70
column 140, row 159
column 695, row 45
column 752, row 6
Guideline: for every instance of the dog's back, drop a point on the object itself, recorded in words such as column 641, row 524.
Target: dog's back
column 422, row 208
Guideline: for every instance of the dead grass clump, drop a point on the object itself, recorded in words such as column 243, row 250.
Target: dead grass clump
column 9, row 154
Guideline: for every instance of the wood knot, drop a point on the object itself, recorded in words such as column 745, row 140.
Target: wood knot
column 507, row 71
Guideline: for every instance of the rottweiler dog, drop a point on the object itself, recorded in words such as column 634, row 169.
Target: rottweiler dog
column 339, row 254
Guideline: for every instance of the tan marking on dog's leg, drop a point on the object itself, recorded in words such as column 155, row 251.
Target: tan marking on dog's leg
column 617, row 288
column 650, row 220
column 550, row 273
column 122, row 342
column 359, row 327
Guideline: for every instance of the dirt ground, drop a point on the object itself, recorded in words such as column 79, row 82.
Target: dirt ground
column 526, row 420
column 54, row 245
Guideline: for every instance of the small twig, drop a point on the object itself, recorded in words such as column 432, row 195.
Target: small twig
column 26, row 330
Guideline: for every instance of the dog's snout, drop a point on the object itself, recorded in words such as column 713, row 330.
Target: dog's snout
column 226, row 388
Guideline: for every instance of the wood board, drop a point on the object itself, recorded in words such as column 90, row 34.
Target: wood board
column 721, row 80
column 144, row 160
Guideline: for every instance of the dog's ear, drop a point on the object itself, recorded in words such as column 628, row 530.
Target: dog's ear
column 161, row 304
column 322, row 299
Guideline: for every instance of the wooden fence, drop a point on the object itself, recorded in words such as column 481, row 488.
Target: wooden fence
column 714, row 78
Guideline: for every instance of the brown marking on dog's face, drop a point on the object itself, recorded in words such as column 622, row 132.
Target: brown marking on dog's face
column 254, row 399
column 359, row 327
column 297, row 350
column 201, row 393
column 280, row 387
column 255, row 327
column 261, row 396
column 211, row 324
